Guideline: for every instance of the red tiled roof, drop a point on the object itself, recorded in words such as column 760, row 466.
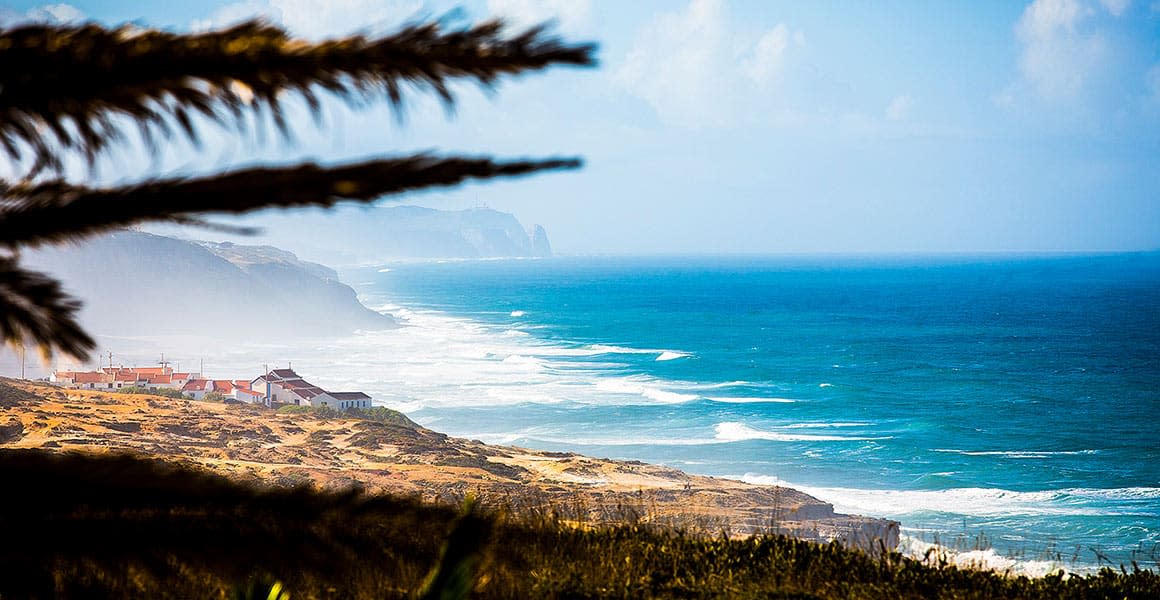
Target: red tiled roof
column 182, row 375
column 285, row 374
column 223, row 386
column 249, row 392
column 194, row 385
column 242, row 384
column 90, row 377
column 125, row 376
column 307, row 393
column 161, row 379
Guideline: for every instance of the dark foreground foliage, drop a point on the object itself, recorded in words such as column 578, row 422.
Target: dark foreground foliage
column 108, row 526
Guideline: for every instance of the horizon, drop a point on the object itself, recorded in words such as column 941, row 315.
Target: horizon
column 752, row 127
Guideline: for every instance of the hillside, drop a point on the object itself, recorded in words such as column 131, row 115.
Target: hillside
column 135, row 283
column 257, row 444
column 118, row 496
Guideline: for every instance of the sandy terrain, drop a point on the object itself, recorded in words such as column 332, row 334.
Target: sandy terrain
column 254, row 443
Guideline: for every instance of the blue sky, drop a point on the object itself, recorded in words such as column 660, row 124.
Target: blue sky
column 765, row 126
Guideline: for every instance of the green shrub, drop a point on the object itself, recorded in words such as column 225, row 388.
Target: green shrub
column 326, row 412
column 213, row 397
column 293, row 409
column 167, row 393
column 382, row 414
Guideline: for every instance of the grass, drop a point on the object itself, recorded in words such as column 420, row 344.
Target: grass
column 115, row 526
column 378, row 414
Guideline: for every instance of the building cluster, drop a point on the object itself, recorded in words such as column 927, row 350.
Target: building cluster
column 284, row 386
column 275, row 388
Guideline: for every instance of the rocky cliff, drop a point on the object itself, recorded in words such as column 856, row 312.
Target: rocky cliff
column 359, row 235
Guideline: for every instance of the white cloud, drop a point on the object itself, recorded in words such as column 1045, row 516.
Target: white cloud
column 317, row 19
column 688, row 66
column 900, row 107
column 56, row 13
column 568, row 15
column 1059, row 56
column 768, row 58
column 231, row 14
column 1116, row 7
column 326, row 18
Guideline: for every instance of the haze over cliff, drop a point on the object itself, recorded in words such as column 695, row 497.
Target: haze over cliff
column 362, row 235
column 139, row 284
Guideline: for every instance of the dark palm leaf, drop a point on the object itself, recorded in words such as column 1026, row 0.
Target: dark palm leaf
column 34, row 310
column 70, row 87
column 58, row 211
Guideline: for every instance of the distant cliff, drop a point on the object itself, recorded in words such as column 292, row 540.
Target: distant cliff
column 370, row 235
column 141, row 284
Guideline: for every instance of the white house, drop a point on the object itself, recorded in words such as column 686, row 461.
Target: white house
column 341, row 400
column 197, row 388
column 250, row 396
column 287, row 387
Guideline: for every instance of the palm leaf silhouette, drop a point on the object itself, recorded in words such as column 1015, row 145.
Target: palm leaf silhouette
column 76, row 89
column 72, row 82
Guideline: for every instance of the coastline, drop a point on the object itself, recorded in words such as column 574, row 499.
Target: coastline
column 260, row 445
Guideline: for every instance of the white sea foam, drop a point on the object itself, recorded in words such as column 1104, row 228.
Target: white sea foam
column 608, row 349
column 640, row 386
column 662, row 354
column 1022, row 454
column 623, row 441
column 825, row 385
column 823, row 425
column 518, row 313
column 977, row 502
column 750, row 400
column 736, row 432
column 981, row 559
column 524, row 362
column 384, row 270
column 717, row 386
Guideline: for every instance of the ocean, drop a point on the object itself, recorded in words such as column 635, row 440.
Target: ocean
column 1004, row 407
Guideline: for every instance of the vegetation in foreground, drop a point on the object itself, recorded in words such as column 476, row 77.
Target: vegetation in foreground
column 114, row 526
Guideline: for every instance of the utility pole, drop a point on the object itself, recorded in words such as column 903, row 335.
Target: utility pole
column 110, row 359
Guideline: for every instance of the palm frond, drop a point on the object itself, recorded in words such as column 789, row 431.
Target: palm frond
column 72, row 87
column 32, row 214
column 34, row 310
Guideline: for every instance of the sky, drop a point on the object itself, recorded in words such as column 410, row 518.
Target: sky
column 757, row 126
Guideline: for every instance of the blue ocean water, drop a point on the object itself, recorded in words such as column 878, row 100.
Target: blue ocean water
column 1009, row 403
